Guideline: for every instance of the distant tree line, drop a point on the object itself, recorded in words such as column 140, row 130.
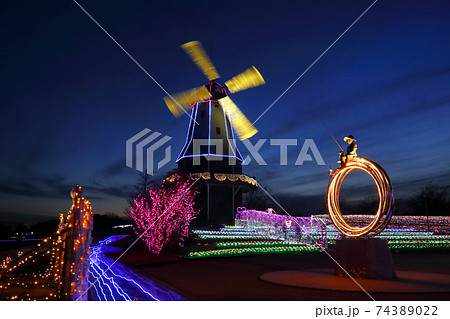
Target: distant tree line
column 21, row 230
column 431, row 200
column 144, row 182
column 48, row 228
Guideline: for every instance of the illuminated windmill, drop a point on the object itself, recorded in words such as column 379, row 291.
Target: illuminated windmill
column 210, row 151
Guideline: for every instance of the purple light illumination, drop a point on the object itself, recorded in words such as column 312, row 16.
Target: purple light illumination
column 307, row 229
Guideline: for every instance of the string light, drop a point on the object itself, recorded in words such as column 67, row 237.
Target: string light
column 169, row 211
column 255, row 250
column 257, row 243
column 385, row 195
column 121, row 282
column 74, row 233
column 417, row 223
column 310, row 230
column 249, row 243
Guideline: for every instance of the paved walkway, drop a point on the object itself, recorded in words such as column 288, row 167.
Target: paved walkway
column 238, row 278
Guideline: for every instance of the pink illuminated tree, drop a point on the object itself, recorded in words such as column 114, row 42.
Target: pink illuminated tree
column 164, row 215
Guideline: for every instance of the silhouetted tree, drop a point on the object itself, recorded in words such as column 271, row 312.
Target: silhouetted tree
column 21, row 229
column 107, row 221
column 368, row 205
column 6, row 231
column 346, row 207
column 44, row 229
column 144, row 182
column 256, row 199
column 432, row 200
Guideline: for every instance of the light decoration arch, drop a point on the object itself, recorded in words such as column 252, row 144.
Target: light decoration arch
column 385, row 194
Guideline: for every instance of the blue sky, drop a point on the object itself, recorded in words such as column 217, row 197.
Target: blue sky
column 70, row 98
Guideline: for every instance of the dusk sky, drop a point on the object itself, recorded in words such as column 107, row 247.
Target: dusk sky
column 70, row 97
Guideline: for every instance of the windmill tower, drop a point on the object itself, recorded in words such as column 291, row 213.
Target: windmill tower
column 210, row 153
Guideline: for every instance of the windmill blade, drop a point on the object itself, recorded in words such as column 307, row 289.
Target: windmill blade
column 181, row 102
column 247, row 79
column 195, row 51
column 244, row 129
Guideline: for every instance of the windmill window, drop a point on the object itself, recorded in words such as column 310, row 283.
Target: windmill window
column 218, row 130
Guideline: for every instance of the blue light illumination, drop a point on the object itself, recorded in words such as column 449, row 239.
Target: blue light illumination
column 120, row 283
column 24, row 239
column 112, row 286
column 190, row 136
column 209, row 127
column 189, row 132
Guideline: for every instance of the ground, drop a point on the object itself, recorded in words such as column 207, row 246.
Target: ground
column 237, row 278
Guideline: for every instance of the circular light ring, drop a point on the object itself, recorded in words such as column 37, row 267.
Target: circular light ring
column 385, row 194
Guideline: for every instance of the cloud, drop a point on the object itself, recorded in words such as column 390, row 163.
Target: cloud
column 122, row 191
column 44, row 187
column 314, row 112
column 114, row 169
column 37, row 186
column 21, row 188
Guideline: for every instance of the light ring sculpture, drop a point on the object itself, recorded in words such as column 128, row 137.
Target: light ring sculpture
column 385, row 194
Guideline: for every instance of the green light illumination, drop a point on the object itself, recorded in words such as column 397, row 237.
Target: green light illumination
column 230, row 237
column 396, row 242
column 419, row 244
column 254, row 250
column 237, row 240
column 267, row 243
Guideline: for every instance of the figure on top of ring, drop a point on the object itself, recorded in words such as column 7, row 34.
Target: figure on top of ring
column 351, row 151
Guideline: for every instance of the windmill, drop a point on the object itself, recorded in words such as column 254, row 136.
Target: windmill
column 213, row 119
column 182, row 102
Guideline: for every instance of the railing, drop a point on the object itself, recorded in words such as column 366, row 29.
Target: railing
column 60, row 263
column 308, row 230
